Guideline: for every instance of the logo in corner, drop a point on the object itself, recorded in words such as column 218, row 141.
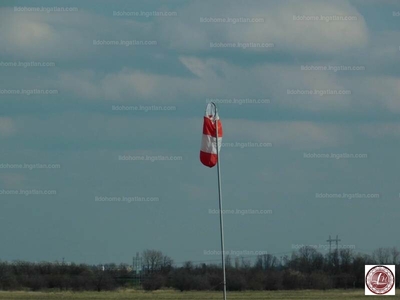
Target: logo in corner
column 379, row 280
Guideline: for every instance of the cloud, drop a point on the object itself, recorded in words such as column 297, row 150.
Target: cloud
column 7, row 127
column 215, row 78
column 62, row 36
column 188, row 34
column 375, row 2
column 386, row 90
column 81, row 83
column 12, row 180
column 70, row 35
column 380, row 130
column 111, row 131
column 211, row 78
column 292, row 135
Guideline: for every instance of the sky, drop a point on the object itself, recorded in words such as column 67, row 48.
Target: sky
column 101, row 113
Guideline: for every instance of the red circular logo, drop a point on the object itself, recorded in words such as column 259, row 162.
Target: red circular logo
column 379, row 280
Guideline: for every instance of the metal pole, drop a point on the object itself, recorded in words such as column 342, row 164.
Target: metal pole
column 221, row 218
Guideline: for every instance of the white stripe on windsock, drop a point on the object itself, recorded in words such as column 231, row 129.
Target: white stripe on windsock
column 208, row 144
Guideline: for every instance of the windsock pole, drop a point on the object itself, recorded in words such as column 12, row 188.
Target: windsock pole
column 221, row 218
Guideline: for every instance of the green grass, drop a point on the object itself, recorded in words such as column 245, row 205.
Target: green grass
column 175, row 295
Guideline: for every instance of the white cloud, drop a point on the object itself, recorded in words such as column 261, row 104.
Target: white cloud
column 293, row 135
column 30, row 34
column 7, row 127
column 262, row 81
column 386, row 90
column 68, row 35
column 12, row 180
column 117, row 128
column 187, row 33
column 81, row 83
column 380, row 130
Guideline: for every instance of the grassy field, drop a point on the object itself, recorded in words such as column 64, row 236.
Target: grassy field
column 174, row 295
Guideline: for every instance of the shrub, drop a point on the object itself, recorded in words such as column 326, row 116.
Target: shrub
column 153, row 282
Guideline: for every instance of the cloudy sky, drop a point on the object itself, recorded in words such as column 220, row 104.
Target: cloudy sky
column 102, row 100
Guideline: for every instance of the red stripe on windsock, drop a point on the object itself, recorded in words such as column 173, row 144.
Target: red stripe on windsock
column 209, row 127
column 208, row 159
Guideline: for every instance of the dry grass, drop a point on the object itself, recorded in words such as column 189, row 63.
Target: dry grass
column 175, row 295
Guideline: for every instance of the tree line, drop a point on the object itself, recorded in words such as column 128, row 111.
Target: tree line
column 304, row 269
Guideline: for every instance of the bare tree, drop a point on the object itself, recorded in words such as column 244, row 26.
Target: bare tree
column 188, row 265
column 167, row 262
column 237, row 262
column 245, row 263
column 228, row 261
column 395, row 255
column 309, row 259
column 152, row 260
column 269, row 261
column 259, row 262
column 346, row 259
column 382, row 256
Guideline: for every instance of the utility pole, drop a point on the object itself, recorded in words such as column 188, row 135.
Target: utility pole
column 336, row 256
column 337, row 243
column 337, row 240
column 137, row 268
column 330, row 244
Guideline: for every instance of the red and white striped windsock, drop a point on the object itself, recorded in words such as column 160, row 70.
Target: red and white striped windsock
column 208, row 151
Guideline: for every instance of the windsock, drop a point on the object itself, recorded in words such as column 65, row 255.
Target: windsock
column 208, row 151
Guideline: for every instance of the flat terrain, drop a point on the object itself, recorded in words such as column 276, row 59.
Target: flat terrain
column 172, row 295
